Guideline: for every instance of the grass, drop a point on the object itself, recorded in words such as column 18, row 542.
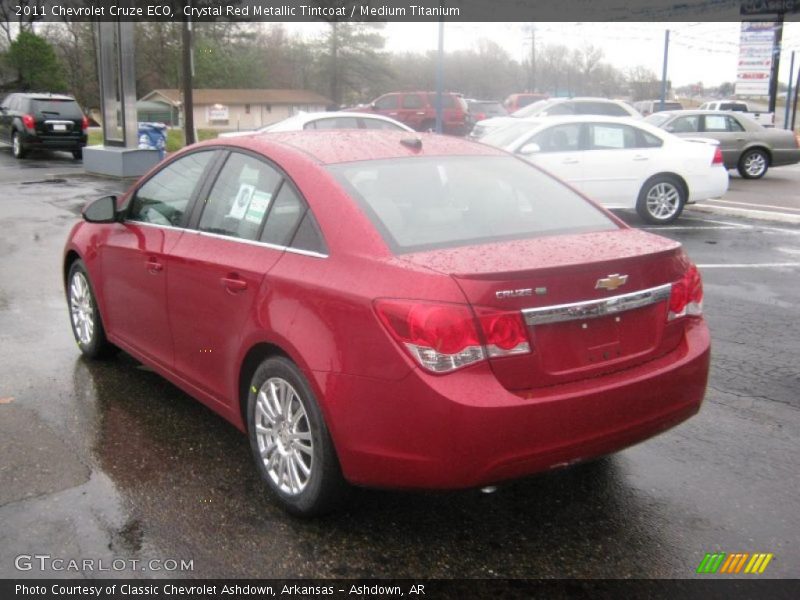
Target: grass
column 174, row 137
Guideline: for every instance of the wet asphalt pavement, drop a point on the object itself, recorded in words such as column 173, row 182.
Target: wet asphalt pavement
column 107, row 460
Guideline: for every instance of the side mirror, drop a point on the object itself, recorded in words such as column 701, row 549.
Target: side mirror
column 373, row 107
column 669, row 128
column 102, row 210
column 529, row 149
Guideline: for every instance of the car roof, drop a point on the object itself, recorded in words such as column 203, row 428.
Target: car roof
column 307, row 117
column 351, row 145
column 43, row 96
column 578, row 119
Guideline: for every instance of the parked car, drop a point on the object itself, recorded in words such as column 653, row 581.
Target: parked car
column 746, row 145
column 326, row 120
column 42, row 121
column 558, row 107
column 486, row 109
column 648, row 107
column 516, row 101
column 620, row 162
column 418, row 111
column 475, row 321
column 767, row 119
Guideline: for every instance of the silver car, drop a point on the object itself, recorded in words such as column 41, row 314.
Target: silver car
column 746, row 146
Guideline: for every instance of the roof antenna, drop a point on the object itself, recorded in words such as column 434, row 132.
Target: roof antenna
column 413, row 143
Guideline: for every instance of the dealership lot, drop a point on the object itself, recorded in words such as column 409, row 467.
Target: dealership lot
column 107, row 460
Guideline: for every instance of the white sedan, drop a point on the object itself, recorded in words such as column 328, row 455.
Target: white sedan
column 326, row 120
column 620, row 162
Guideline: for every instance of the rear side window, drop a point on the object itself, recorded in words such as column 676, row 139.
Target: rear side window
column 240, row 198
column 49, row 108
column 163, row 199
column 286, row 214
column 448, row 101
column 610, row 136
column 439, row 202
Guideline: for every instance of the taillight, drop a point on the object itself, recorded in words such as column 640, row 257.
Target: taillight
column 686, row 296
column 444, row 337
column 28, row 121
column 85, row 124
column 480, row 116
column 717, row 156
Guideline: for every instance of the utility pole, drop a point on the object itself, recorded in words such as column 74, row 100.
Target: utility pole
column 796, row 89
column 789, row 94
column 440, row 76
column 664, row 70
column 188, row 100
column 532, row 86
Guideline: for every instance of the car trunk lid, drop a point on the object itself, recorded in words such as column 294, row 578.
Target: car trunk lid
column 593, row 303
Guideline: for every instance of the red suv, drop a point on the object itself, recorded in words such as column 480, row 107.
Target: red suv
column 418, row 110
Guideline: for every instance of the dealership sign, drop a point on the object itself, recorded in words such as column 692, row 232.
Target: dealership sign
column 756, row 46
column 217, row 112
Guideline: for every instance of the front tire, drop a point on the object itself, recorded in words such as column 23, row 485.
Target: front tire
column 87, row 326
column 661, row 199
column 290, row 442
column 753, row 164
column 17, row 148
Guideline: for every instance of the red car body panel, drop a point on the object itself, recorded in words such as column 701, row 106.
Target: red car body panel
column 165, row 297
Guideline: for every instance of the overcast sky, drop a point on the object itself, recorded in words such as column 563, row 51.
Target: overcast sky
column 706, row 52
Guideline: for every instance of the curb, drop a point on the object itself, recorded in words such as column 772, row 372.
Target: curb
column 762, row 215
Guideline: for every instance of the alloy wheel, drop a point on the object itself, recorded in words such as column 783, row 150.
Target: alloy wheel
column 81, row 308
column 283, row 435
column 663, row 200
column 755, row 164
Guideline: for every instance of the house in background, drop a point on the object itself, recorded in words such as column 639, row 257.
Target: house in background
column 237, row 109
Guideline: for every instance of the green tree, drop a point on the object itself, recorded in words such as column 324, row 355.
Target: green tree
column 36, row 63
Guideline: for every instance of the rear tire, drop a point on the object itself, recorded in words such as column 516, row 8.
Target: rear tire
column 290, row 442
column 661, row 199
column 17, row 147
column 77, row 153
column 753, row 164
column 87, row 326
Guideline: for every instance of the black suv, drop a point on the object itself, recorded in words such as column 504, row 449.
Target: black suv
column 48, row 121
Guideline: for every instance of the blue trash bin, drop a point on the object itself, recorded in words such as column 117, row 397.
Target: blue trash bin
column 153, row 136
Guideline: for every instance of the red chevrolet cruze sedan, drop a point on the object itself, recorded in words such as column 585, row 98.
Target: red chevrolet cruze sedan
column 390, row 309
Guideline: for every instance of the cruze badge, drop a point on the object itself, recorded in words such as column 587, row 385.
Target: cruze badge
column 611, row 282
column 520, row 293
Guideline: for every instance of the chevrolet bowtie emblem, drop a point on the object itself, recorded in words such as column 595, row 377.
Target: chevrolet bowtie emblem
column 611, row 282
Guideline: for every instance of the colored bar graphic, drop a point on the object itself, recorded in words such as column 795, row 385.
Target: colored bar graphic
column 721, row 563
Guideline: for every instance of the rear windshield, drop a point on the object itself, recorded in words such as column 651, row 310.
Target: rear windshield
column 57, row 108
column 667, row 106
column 657, row 119
column 734, row 106
column 532, row 109
column 442, row 202
column 490, row 108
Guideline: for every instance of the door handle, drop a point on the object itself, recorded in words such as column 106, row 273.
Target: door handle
column 740, row 139
column 154, row 266
column 233, row 284
column 570, row 161
column 640, row 157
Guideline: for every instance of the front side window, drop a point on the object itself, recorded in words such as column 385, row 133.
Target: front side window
column 690, row 124
column 386, row 103
column 164, row 198
column 412, row 101
column 439, row 202
column 240, row 197
column 610, row 136
column 561, row 138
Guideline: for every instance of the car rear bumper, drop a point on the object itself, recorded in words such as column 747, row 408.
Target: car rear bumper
column 54, row 141
column 464, row 429
column 712, row 184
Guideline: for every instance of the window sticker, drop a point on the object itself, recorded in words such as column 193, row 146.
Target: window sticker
column 243, row 197
column 258, row 207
